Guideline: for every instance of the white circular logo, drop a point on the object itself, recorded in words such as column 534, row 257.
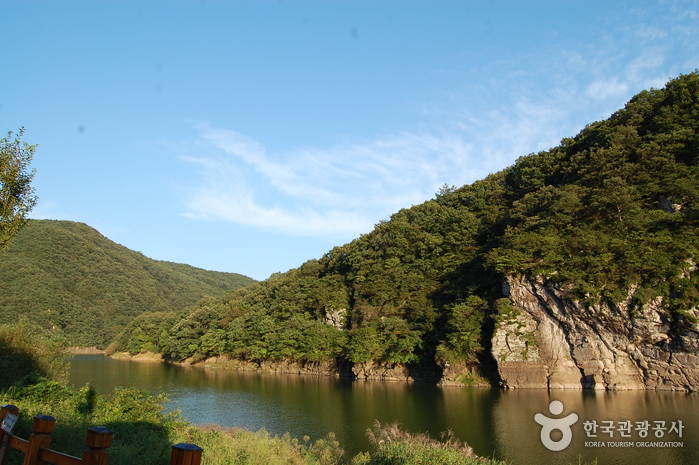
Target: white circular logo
column 548, row 425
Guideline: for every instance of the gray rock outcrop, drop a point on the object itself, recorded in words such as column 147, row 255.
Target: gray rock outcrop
column 550, row 340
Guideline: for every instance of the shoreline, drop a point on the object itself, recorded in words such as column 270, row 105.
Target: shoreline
column 361, row 372
column 85, row 351
column 149, row 357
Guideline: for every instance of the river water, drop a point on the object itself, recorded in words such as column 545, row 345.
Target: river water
column 495, row 423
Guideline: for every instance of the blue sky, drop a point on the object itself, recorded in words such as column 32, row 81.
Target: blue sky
column 251, row 136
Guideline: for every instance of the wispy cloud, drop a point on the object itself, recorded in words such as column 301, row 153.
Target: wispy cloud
column 537, row 98
column 48, row 210
column 341, row 191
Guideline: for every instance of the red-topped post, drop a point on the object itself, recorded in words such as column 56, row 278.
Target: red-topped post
column 185, row 454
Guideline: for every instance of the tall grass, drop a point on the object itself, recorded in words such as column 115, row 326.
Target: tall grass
column 396, row 446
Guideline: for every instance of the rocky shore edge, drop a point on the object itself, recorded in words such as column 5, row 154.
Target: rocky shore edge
column 455, row 376
column 85, row 351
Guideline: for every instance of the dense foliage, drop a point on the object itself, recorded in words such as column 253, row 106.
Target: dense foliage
column 16, row 193
column 29, row 353
column 67, row 277
column 611, row 211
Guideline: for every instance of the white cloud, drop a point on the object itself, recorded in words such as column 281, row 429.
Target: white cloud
column 607, row 89
column 650, row 60
column 341, row 191
column 47, row 210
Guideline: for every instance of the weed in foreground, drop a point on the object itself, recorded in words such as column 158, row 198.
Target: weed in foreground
column 396, row 446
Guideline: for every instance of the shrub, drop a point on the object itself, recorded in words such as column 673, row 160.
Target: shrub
column 28, row 353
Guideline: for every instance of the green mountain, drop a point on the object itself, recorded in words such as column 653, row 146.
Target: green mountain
column 608, row 221
column 67, row 277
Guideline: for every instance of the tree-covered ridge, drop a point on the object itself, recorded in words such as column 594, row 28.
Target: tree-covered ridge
column 610, row 211
column 67, row 277
column 614, row 207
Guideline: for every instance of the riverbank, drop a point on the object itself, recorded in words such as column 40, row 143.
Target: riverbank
column 452, row 376
column 85, row 351
column 328, row 368
column 150, row 357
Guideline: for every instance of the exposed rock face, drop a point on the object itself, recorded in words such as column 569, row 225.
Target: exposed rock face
column 553, row 341
column 382, row 371
column 336, row 318
column 328, row 368
column 461, row 375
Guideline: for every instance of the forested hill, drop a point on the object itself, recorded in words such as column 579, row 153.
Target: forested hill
column 610, row 213
column 67, row 277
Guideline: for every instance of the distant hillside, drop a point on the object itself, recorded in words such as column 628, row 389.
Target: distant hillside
column 68, row 277
column 574, row 267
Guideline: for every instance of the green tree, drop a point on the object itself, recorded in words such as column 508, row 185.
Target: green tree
column 463, row 342
column 16, row 193
column 28, row 352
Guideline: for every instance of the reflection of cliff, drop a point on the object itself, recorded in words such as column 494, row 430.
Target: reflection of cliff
column 553, row 341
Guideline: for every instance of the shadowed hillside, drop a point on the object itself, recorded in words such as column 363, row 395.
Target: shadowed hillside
column 67, row 277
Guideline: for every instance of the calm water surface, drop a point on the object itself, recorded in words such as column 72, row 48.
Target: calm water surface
column 495, row 423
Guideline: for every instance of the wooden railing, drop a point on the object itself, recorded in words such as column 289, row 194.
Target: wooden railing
column 36, row 449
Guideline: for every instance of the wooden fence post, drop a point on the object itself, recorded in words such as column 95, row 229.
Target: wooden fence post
column 39, row 439
column 36, row 449
column 185, row 454
column 4, row 410
column 7, row 408
column 98, row 439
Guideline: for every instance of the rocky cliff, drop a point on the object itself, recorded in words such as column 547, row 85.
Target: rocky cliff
column 550, row 340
